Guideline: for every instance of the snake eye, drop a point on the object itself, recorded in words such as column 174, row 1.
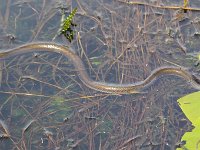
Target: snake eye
column 197, row 80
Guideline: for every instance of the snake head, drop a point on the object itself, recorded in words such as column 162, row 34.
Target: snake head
column 196, row 81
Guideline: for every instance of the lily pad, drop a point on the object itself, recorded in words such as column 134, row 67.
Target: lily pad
column 190, row 105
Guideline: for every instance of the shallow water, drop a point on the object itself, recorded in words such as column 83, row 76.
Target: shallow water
column 44, row 105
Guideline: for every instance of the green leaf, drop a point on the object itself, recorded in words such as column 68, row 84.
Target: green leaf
column 190, row 105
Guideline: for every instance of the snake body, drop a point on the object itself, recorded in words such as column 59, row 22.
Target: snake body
column 101, row 86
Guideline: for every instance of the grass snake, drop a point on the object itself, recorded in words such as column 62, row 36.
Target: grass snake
column 101, row 86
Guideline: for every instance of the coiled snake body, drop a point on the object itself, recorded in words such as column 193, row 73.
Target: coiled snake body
column 100, row 86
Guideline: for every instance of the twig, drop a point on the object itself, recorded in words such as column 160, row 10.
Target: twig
column 7, row 14
column 25, row 94
column 163, row 7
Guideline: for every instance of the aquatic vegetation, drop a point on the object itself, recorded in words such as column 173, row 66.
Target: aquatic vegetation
column 67, row 24
column 190, row 106
column 46, row 106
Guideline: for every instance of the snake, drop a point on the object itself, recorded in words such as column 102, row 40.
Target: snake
column 114, row 88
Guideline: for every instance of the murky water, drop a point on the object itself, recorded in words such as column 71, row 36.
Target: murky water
column 43, row 103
